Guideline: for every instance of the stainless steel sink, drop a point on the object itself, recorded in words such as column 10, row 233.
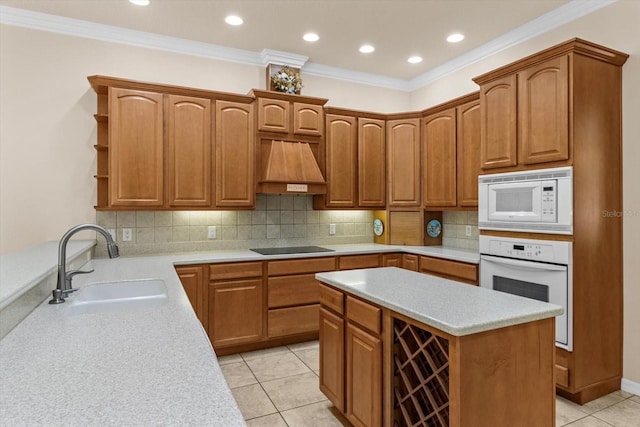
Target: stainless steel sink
column 116, row 296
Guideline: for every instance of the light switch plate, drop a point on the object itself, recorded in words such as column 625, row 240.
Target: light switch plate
column 468, row 231
column 332, row 229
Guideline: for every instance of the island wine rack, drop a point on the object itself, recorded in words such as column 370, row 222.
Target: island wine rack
column 421, row 377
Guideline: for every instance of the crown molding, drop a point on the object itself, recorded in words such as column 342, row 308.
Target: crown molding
column 74, row 27
column 278, row 57
column 540, row 25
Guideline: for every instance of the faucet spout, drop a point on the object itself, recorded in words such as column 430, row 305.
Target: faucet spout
column 63, row 288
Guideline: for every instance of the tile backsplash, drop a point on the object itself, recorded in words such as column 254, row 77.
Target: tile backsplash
column 278, row 220
column 454, row 224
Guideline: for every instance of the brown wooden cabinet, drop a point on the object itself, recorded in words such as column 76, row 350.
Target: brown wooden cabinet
column 332, row 357
column 449, row 269
column 439, row 159
column 498, row 114
column 136, row 148
column 403, row 162
column 235, row 155
column 193, row 279
column 308, row 119
column 158, row 147
column 543, row 112
column 568, row 111
column 341, row 151
column 273, row 115
column 410, row 262
column 234, row 304
column 468, row 144
column 189, row 161
column 450, row 150
column 371, row 163
column 351, row 356
column 392, row 260
column 525, row 116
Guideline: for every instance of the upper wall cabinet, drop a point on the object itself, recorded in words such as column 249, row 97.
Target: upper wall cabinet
column 136, row 148
column 188, row 151
column 403, row 162
column 355, row 161
column 283, row 113
column 451, row 154
column 308, row 119
column 235, row 155
column 274, row 115
column 156, row 146
column 526, row 108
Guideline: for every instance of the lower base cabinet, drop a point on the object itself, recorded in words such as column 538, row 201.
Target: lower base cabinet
column 364, row 377
column 332, row 357
column 235, row 312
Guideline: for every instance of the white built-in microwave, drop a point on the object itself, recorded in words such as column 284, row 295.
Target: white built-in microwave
column 539, row 201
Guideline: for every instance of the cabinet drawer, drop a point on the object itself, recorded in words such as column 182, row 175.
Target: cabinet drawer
column 293, row 320
column 364, row 314
column 359, row 261
column 392, row 260
column 236, row 270
column 299, row 266
column 410, row 262
column 293, row 290
column 562, row 376
column 332, row 298
column 454, row 269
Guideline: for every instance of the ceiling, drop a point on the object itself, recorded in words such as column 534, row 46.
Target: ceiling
column 397, row 28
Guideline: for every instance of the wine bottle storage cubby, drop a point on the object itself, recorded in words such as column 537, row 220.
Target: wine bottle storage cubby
column 421, row 377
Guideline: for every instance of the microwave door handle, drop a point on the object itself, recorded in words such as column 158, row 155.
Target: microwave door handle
column 523, row 265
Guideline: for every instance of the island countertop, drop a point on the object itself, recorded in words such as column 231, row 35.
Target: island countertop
column 452, row 307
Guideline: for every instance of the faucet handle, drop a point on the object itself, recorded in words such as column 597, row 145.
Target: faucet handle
column 72, row 273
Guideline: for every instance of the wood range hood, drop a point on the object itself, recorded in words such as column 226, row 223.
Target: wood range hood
column 290, row 167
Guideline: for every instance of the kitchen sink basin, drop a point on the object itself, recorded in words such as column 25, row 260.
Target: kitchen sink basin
column 116, row 296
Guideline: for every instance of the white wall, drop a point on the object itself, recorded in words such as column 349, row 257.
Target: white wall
column 47, row 130
column 618, row 27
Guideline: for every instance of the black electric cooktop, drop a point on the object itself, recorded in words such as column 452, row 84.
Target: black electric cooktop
column 291, row 250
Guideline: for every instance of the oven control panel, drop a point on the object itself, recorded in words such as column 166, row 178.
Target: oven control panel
column 529, row 249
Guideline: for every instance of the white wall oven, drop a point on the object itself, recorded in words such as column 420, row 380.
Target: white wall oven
column 537, row 269
column 539, row 201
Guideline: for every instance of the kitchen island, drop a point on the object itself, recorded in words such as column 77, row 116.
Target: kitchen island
column 398, row 347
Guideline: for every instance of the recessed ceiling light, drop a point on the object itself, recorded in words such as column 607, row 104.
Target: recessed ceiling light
column 140, row 2
column 311, row 37
column 455, row 38
column 414, row 60
column 367, row 48
column 233, row 20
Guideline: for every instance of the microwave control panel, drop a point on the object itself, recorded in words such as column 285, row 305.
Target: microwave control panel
column 549, row 200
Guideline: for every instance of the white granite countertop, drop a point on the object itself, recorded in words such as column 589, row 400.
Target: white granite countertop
column 150, row 366
column 136, row 367
column 447, row 305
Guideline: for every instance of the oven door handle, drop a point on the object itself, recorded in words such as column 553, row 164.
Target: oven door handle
column 523, row 265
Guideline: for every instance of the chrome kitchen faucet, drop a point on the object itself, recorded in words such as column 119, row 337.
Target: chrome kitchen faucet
column 63, row 289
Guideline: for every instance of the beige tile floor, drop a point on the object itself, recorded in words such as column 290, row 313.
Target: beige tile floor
column 279, row 387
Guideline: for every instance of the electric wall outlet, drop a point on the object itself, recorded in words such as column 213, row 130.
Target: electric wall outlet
column 127, row 235
column 332, row 229
column 468, row 231
column 212, row 232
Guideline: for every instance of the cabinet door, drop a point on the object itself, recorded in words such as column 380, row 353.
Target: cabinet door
column 403, row 162
column 235, row 312
column 341, row 154
column 235, row 155
column 332, row 357
column 468, row 143
column 498, row 123
column 410, row 262
column 307, row 119
column 189, row 151
column 543, row 112
column 439, row 159
column 371, row 163
column 273, row 115
column 392, row 260
column 364, row 377
column 193, row 281
column 136, row 144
